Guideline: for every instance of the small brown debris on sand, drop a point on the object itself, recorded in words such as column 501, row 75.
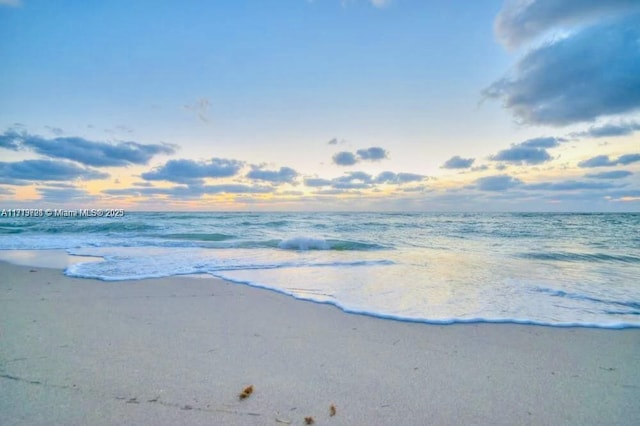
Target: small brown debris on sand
column 246, row 392
column 309, row 420
column 332, row 410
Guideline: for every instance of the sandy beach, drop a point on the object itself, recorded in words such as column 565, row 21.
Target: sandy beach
column 180, row 350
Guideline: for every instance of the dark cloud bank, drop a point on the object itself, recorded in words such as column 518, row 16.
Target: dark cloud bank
column 27, row 171
column 83, row 151
column 592, row 72
column 189, row 171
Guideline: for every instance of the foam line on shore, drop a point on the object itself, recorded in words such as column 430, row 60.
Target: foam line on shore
column 354, row 311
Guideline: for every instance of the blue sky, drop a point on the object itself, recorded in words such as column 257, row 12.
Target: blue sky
column 321, row 105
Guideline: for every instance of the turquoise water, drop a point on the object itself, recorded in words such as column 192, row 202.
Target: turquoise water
column 554, row 269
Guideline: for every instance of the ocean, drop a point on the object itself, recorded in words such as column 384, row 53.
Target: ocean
column 550, row 269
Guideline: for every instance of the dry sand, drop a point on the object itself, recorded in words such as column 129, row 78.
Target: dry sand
column 180, row 350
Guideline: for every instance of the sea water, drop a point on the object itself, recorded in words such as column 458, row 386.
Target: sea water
column 553, row 269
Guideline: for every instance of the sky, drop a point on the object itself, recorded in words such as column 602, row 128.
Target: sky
column 303, row 105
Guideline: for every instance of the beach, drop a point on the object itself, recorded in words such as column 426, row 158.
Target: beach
column 180, row 350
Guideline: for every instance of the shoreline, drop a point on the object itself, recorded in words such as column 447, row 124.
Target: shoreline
column 44, row 258
column 180, row 350
column 60, row 259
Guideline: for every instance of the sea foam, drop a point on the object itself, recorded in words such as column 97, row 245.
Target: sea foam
column 553, row 269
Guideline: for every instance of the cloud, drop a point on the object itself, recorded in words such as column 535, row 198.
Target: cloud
column 610, row 130
column 523, row 20
column 200, row 108
column 457, row 162
column 628, row 159
column 592, row 72
column 353, row 180
column 134, row 192
column 398, row 178
column 362, row 180
column 334, row 192
column 355, row 176
column 625, row 193
column 235, row 189
column 98, row 154
column 532, row 151
column 190, row 191
column 616, row 174
column 90, row 153
column 55, row 130
column 6, row 191
column 317, row 182
column 497, row 183
column 284, row 175
column 386, row 177
column 344, row 158
column 605, row 161
column 543, row 142
column 597, row 161
column 189, row 171
column 10, row 139
column 63, row 195
column 142, row 184
column 372, row 154
column 27, row 171
column 570, row 185
column 291, row 193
